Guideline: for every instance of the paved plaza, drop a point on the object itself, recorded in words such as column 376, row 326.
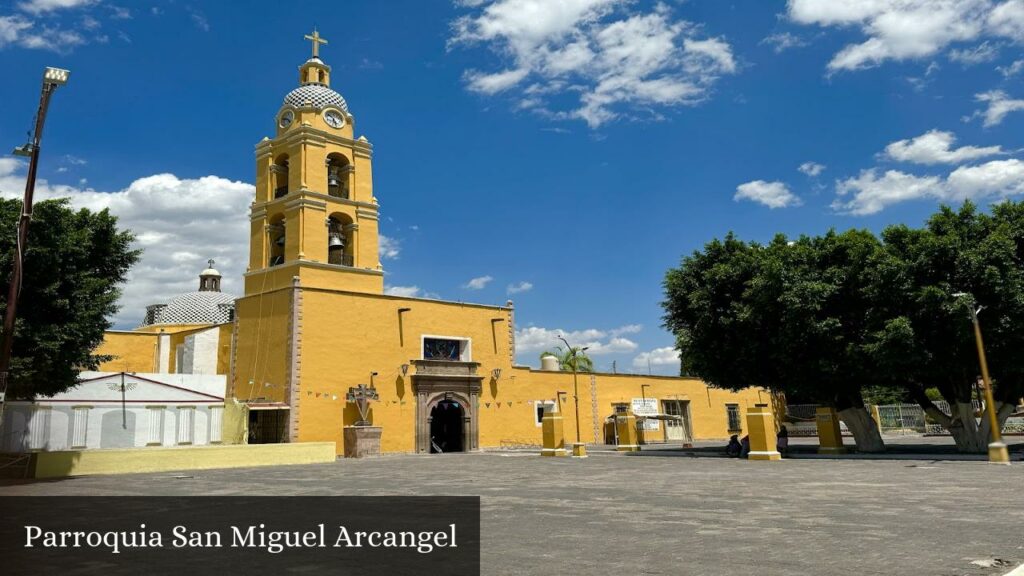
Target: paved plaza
column 666, row 512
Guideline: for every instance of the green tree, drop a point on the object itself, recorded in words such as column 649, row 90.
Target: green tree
column 788, row 316
column 927, row 340
column 73, row 265
column 567, row 359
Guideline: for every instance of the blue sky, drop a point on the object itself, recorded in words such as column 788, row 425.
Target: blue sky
column 568, row 151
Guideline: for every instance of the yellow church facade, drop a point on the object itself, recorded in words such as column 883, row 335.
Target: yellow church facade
column 314, row 322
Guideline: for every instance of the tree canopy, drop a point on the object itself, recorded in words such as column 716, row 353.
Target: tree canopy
column 73, row 265
column 830, row 316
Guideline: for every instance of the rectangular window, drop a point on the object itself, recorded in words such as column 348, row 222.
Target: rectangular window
column 79, row 426
column 450, row 349
column 186, row 424
column 733, row 413
column 39, row 428
column 156, row 426
column 539, row 407
column 216, row 423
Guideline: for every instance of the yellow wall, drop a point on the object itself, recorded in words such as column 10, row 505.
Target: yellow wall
column 345, row 336
column 337, row 354
column 132, row 352
column 136, row 351
column 261, row 347
column 138, row 460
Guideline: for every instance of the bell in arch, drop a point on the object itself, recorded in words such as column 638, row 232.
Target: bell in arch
column 336, row 241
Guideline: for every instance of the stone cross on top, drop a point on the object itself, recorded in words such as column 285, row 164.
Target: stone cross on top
column 361, row 396
column 317, row 41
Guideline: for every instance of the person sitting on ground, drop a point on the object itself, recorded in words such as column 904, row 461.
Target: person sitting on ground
column 745, row 447
column 733, row 449
column 782, row 441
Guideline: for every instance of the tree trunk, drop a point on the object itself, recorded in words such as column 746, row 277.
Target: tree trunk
column 1003, row 411
column 964, row 428
column 864, row 429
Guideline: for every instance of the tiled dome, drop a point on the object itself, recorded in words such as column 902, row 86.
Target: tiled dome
column 321, row 97
column 193, row 308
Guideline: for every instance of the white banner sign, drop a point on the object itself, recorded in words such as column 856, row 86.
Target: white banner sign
column 645, row 406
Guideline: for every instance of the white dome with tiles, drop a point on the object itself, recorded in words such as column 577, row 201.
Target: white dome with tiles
column 207, row 306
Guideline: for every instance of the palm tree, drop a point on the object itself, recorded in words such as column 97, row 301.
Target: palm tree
column 568, row 356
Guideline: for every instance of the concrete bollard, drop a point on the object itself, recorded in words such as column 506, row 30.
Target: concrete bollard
column 830, row 436
column 625, row 426
column 761, row 429
column 554, row 438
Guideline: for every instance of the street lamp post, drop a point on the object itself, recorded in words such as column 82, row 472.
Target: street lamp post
column 579, row 449
column 997, row 452
column 52, row 78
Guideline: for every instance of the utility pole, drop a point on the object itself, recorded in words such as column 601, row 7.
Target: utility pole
column 52, row 78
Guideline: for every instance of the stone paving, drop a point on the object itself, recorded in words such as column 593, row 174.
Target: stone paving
column 667, row 512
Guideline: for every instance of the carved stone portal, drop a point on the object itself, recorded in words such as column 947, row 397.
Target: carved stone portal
column 436, row 381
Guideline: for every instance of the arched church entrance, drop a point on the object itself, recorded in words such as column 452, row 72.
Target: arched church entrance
column 446, row 427
column 447, row 396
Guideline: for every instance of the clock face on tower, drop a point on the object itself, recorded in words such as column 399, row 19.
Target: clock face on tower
column 334, row 118
column 287, row 118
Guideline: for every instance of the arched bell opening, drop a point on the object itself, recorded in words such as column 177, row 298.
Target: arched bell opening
column 339, row 240
column 276, row 240
column 338, row 170
column 279, row 174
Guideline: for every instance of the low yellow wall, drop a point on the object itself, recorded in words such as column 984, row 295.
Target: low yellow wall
column 135, row 460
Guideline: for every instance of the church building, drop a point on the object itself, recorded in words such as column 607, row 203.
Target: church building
column 314, row 322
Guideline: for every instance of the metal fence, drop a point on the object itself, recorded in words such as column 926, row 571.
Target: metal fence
column 894, row 419
column 901, row 419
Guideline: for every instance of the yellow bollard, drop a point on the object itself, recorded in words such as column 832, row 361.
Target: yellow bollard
column 625, row 426
column 761, row 429
column 554, row 439
column 830, row 437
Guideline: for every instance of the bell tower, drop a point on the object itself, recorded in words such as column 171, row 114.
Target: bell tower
column 314, row 215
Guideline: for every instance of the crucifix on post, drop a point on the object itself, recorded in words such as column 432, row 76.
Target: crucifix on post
column 123, row 387
column 361, row 396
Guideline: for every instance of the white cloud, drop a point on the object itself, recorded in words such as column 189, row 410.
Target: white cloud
column 627, row 329
column 771, row 194
column 999, row 104
column 984, row 52
column 911, row 29
column 598, row 342
column 936, row 147
column 784, row 41
column 1011, row 70
column 478, row 283
column 494, row 83
column 389, row 248
column 19, row 31
column 996, row 178
column 812, row 169
column 405, row 291
column 616, row 59
column 40, row 6
column 179, row 223
column 667, row 356
column 519, row 287
column 870, row 193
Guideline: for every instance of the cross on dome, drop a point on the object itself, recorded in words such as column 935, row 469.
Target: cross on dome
column 317, row 41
